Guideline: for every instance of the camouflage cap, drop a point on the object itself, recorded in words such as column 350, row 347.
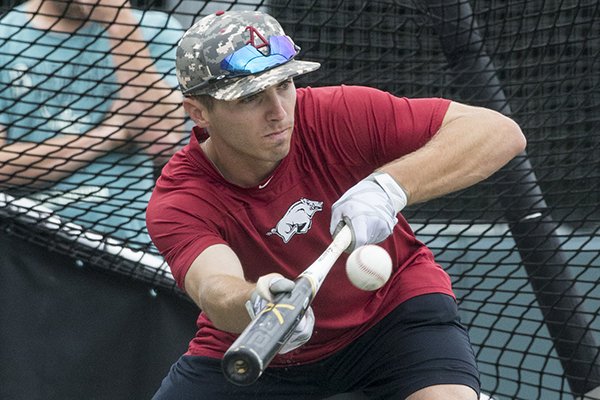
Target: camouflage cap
column 214, row 37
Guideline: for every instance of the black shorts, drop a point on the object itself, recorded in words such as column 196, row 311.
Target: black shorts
column 420, row 344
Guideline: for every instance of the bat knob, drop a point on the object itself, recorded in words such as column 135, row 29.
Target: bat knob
column 241, row 366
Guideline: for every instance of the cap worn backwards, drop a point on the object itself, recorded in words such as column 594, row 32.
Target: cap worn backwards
column 234, row 54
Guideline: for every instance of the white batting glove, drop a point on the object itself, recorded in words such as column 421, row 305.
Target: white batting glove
column 369, row 208
column 267, row 287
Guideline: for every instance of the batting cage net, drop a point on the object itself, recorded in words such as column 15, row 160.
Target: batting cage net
column 89, row 113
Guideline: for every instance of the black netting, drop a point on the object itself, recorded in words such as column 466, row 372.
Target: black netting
column 522, row 247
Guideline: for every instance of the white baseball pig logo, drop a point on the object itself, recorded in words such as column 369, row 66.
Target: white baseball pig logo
column 297, row 219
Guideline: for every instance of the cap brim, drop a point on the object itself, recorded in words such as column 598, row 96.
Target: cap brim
column 252, row 84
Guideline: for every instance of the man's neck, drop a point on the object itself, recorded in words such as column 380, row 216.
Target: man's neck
column 244, row 177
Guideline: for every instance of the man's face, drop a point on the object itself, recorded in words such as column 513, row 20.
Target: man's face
column 256, row 130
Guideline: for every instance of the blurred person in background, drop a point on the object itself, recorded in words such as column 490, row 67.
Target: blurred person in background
column 88, row 110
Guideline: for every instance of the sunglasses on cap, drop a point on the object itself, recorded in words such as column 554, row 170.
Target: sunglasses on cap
column 249, row 60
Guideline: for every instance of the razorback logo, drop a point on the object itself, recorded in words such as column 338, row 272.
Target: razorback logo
column 297, row 219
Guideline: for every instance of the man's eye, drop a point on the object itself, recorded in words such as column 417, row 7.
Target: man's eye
column 249, row 99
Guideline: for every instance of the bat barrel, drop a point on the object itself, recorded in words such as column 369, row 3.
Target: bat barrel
column 264, row 337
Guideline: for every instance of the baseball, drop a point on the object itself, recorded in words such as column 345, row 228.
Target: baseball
column 369, row 267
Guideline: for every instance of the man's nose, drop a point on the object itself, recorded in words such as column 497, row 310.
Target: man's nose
column 275, row 104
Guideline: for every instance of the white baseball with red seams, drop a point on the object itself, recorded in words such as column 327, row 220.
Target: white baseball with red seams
column 369, row 267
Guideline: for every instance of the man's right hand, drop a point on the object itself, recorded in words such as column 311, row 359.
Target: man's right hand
column 269, row 286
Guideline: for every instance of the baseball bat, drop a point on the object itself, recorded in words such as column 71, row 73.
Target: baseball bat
column 247, row 358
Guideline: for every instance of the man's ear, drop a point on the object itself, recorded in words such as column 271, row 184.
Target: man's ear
column 197, row 111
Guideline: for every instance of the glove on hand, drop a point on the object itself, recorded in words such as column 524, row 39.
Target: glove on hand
column 266, row 288
column 369, row 208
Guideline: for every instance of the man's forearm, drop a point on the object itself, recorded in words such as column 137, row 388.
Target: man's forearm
column 223, row 298
column 471, row 145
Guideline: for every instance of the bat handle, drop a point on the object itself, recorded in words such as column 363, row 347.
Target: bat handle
column 318, row 270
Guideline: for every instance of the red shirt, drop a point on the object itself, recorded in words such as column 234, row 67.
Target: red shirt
column 341, row 135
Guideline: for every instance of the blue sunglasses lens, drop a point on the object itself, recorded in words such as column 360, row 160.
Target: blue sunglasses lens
column 248, row 60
